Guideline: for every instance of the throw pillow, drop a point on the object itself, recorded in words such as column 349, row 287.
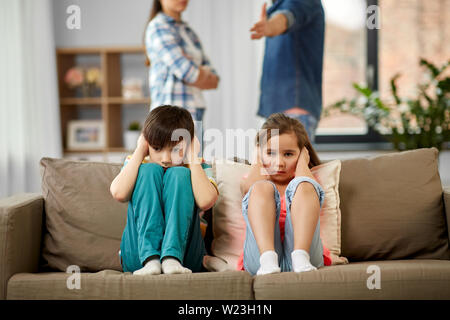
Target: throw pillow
column 84, row 224
column 392, row 207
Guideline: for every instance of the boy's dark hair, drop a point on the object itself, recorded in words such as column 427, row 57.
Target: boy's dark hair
column 161, row 123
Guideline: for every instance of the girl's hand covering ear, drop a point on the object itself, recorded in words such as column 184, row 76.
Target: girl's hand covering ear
column 257, row 161
column 303, row 160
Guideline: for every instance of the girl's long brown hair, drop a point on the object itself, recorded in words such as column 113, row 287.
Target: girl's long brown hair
column 285, row 124
column 156, row 8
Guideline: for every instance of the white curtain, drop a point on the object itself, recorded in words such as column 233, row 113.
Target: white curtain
column 29, row 113
column 224, row 30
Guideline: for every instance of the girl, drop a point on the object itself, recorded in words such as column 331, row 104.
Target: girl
column 165, row 196
column 179, row 69
column 282, row 201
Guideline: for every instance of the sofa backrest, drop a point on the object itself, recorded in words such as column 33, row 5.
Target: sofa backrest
column 392, row 208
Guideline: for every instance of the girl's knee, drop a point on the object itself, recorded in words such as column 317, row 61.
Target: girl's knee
column 309, row 186
column 262, row 194
column 262, row 188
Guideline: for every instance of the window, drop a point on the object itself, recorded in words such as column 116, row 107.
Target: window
column 344, row 62
column 409, row 30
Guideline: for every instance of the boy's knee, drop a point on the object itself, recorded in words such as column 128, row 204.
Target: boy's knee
column 150, row 167
column 150, row 170
column 179, row 172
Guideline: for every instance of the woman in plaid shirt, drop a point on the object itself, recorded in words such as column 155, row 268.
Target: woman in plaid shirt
column 179, row 69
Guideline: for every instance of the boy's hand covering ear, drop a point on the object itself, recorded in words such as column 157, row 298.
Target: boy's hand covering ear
column 142, row 145
column 192, row 151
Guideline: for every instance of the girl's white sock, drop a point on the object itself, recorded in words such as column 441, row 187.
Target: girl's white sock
column 172, row 265
column 153, row 266
column 268, row 263
column 301, row 262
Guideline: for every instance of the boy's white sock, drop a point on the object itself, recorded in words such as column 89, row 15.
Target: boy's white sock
column 301, row 262
column 172, row 265
column 268, row 263
column 153, row 266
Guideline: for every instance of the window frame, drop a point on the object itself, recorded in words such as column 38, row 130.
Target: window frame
column 372, row 81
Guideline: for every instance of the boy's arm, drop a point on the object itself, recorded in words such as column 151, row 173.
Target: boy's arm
column 205, row 193
column 123, row 184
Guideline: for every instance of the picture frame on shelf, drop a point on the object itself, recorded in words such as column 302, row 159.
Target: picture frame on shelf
column 85, row 135
column 132, row 88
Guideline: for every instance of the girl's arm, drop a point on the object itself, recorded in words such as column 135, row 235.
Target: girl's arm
column 302, row 168
column 257, row 173
column 205, row 193
column 123, row 184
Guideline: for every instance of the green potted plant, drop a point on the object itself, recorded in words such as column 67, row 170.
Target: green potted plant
column 422, row 122
column 131, row 135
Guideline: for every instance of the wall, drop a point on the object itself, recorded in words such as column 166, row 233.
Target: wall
column 103, row 22
column 107, row 23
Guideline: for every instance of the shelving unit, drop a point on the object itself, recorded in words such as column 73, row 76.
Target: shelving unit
column 110, row 103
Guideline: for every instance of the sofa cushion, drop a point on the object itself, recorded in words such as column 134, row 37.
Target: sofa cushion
column 392, row 208
column 111, row 284
column 401, row 279
column 84, row 224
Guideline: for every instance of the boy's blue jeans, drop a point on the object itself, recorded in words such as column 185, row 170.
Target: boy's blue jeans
column 251, row 250
column 162, row 219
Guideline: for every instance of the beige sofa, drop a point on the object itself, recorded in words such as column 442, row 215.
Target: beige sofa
column 395, row 218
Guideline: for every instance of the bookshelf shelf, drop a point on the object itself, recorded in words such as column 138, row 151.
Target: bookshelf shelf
column 110, row 101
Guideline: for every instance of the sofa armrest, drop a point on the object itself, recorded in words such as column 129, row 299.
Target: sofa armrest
column 446, row 195
column 20, row 236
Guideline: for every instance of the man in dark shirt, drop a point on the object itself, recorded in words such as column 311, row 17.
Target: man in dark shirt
column 293, row 60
